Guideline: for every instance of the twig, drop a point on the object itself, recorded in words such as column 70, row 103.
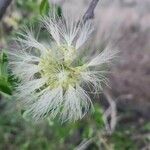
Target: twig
column 110, row 112
column 3, row 6
column 89, row 14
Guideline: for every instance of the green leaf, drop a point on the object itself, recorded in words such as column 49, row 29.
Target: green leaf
column 59, row 11
column 98, row 116
column 3, row 65
column 5, row 87
column 44, row 7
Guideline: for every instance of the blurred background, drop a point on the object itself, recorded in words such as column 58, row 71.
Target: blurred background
column 126, row 24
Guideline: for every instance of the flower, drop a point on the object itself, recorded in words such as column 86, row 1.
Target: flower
column 54, row 81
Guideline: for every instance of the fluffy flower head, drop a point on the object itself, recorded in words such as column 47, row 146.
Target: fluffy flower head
column 53, row 79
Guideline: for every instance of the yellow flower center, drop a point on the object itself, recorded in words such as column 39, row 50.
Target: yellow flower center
column 60, row 72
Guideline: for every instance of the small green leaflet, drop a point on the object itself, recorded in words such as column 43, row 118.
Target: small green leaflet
column 5, row 86
column 44, row 7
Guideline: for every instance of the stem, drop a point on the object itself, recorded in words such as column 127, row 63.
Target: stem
column 89, row 14
column 3, row 6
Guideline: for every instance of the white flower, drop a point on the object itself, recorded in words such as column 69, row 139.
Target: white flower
column 53, row 79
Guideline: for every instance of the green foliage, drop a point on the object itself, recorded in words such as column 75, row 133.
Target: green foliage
column 59, row 11
column 5, row 85
column 122, row 141
column 17, row 133
column 28, row 5
column 98, row 116
column 8, row 82
column 44, row 7
column 146, row 127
